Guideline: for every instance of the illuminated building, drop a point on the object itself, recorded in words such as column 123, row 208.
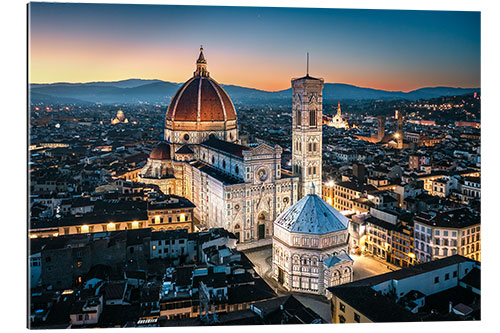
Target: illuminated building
column 337, row 121
column 89, row 223
column 311, row 246
column 307, row 142
column 389, row 236
column 327, row 192
column 119, row 119
column 239, row 188
column 171, row 213
column 399, row 134
column 439, row 234
column 345, row 193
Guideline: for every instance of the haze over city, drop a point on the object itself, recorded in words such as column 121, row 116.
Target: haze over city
column 255, row 47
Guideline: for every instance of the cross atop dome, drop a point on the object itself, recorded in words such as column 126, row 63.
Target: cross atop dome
column 201, row 64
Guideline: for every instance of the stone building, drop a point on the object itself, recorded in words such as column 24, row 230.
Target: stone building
column 311, row 246
column 307, row 115
column 239, row 188
column 338, row 121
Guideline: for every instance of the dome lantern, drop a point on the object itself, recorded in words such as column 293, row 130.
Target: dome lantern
column 201, row 65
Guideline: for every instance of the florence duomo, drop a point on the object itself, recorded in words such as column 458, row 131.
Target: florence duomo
column 239, row 188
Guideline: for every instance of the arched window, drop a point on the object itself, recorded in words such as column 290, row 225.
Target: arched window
column 299, row 117
column 335, row 278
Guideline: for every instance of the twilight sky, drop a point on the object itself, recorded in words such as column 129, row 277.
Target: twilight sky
column 254, row 47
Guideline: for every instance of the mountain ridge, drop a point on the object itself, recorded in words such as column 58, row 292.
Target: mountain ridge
column 155, row 91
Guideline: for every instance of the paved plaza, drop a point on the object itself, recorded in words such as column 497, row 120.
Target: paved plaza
column 364, row 266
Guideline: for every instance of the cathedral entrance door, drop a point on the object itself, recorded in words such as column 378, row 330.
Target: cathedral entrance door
column 237, row 234
column 262, row 231
column 281, row 276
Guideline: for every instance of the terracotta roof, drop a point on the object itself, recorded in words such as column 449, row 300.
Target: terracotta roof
column 184, row 150
column 201, row 99
column 161, row 152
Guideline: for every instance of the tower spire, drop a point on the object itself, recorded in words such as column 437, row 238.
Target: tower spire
column 201, row 64
column 307, row 70
column 339, row 112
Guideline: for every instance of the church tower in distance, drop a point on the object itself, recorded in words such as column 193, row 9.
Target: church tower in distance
column 307, row 121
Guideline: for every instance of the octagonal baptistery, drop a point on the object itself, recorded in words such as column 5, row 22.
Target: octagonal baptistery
column 310, row 247
column 200, row 109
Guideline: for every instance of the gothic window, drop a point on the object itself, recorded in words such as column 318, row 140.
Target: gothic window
column 312, row 118
column 299, row 117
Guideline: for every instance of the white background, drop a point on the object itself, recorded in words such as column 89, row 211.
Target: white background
column 13, row 152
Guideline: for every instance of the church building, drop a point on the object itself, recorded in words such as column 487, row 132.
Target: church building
column 310, row 246
column 337, row 121
column 239, row 188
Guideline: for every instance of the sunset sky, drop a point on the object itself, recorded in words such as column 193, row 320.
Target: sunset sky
column 261, row 48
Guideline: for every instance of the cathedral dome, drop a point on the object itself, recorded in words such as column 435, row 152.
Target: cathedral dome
column 202, row 100
column 312, row 215
column 161, row 152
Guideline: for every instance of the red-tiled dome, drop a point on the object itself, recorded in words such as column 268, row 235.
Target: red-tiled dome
column 201, row 99
column 161, row 152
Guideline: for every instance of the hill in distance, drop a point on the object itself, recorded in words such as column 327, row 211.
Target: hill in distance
column 133, row 91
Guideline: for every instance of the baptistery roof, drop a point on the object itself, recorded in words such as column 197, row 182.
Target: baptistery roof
column 201, row 99
column 161, row 152
column 312, row 215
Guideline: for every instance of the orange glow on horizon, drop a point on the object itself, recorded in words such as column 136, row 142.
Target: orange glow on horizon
column 78, row 61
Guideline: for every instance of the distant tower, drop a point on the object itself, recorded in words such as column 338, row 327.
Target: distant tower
column 307, row 115
column 381, row 128
column 399, row 133
column 339, row 111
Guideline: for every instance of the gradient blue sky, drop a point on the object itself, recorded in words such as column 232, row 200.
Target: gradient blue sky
column 254, row 47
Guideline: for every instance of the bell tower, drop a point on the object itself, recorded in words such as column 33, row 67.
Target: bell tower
column 307, row 121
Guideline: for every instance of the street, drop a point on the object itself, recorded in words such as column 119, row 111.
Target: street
column 366, row 266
